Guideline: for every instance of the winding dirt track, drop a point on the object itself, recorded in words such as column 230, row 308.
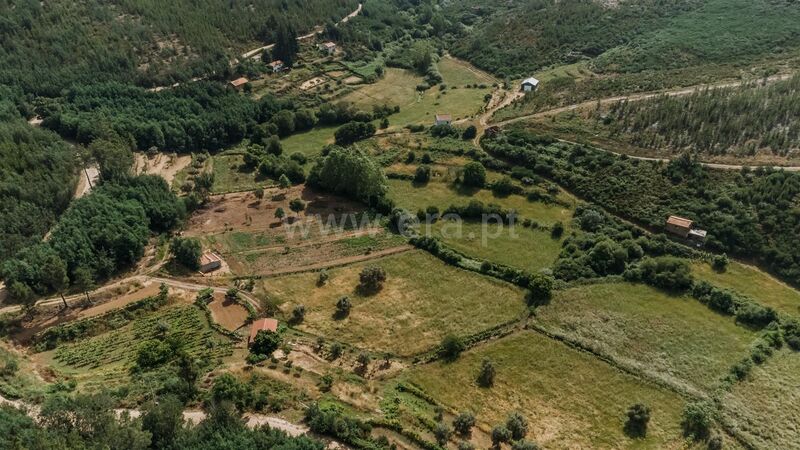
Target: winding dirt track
column 486, row 118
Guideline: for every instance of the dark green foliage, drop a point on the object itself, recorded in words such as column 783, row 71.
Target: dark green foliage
column 666, row 273
column 422, row 174
column 469, row 133
column 697, row 418
column 517, row 425
column 36, row 179
column 540, row 289
column 164, row 421
column 745, row 214
column 352, row 132
column 474, row 174
column 141, row 41
column 500, row 435
column 152, row 354
column 755, row 315
column 350, row 172
column 442, row 433
column 638, row 418
column 371, row 279
column 735, row 121
column 444, row 131
column 791, row 333
column 463, row 423
column 265, row 343
column 329, row 420
column 343, row 307
column 451, row 347
column 486, row 374
column 187, row 252
column 523, row 444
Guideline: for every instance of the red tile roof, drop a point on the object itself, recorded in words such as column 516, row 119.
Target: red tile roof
column 263, row 325
column 239, row 81
column 679, row 222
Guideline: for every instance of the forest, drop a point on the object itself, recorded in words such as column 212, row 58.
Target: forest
column 752, row 214
column 142, row 42
column 631, row 36
column 740, row 121
column 37, row 177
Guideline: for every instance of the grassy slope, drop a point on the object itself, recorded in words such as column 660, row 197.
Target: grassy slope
column 422, row 300
column 766, row 407
column 571, row 399
column 754, row 283
column 674, row 338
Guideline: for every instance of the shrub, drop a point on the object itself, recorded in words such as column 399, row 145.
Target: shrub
column 352, row 132
column 343, row 306
column 500, row 435
column 524, row 445
column 755, row 315
column 298, row 314
column 463, row 423
column 557, row 230
column 422, row 174
column 720, row 262
column 474, row 174
column 503, row 187
column 323, row 277
column 638, row 418
column 517, row 425
column 451, row 347
column 666, row 273
column 469, row 133
column 696, row 419
column 442, row 433
column 540, row 289
column 187, row 252
column 486, row 374
column 265, row 343
column 371, row 279
column 791, row 333
column 299, row 158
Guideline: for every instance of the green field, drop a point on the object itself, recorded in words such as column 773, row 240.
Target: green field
column 422, row 300
column 753, row 283
column 676, row 339
column 456, row 72
column 766, row 406
column 310, row 142
column 441, row 194
column 571, row 399
column 228, row 176
column 398, row 87
column 518, row 247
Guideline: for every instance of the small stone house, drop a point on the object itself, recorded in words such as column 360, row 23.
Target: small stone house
column 210, row 262
column 327, row 47
column 530, row 84
column 443, row 119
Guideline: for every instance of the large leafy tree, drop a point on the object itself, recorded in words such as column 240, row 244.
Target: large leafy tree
column 350, row 172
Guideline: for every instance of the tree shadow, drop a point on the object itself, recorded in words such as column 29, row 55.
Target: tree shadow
column 634, row 430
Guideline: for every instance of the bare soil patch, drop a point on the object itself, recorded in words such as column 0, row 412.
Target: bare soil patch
column 353, row 80
column 164, row 165
column 229, row 314
column 244, row 211
column 316, row 81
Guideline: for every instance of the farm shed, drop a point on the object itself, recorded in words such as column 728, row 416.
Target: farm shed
column 276, row 66
column 530, row 84
column 239, row 82
column 262, row 325
column 443, row 119
column 210, row 262
column 327, row 47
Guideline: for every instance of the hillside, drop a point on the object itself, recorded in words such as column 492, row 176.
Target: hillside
column 49, row 46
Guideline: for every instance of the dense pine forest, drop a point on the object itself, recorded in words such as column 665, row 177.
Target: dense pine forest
column 752, row 214
column 37, row 177
column 739, row 121
column 625, row 36
column 48, row 46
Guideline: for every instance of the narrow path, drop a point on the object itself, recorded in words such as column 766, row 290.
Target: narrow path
column 636, row 97
column 317, row 29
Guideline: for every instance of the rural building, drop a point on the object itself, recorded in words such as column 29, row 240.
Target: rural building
column 210, row 262
column 327, row 47
column 443, row 119
column 262, row 325
column 239, row 82
column 530, row 84
column 276, row 66
column 684, row 228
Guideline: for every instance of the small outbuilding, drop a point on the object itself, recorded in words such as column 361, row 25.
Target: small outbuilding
column 276, row 66
column 443, row 119
column 239, row 83
column 262, row 325
column 530, row 84
column 327, row 47
column 684, row 228
column 210, row 262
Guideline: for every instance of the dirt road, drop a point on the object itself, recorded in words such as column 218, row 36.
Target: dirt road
column 636, row 97
column 317, row 29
